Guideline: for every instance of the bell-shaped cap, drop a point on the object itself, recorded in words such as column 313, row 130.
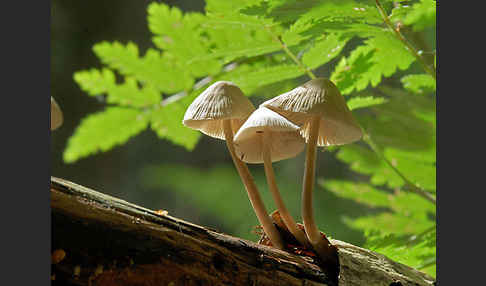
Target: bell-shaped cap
column 221, row 101
column 56, row 115
column 282, row 136
column 318, row 97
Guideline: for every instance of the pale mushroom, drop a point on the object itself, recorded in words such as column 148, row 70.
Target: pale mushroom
column 219, row 112
column 56, row 115
column 320, row 110
column 267, row 137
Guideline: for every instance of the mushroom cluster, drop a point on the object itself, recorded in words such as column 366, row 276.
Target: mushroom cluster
column 314, row 113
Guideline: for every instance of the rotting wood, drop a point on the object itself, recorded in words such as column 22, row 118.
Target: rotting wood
column 109, row 241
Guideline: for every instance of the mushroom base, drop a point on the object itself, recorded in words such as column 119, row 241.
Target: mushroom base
column 326, row 257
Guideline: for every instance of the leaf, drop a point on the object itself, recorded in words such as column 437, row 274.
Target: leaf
column 250, row 79
column 182, row 36
column 102, row 131
column 419, row 170
column 366, row 101
column 403, row 122
column 324, row 50
column 406, row 213
column 95, row 83
column 167, row 123
column 422, row 15
column 305, row 10
column 153, row 69
column 411, row 249
column 381, row 56
column 419, row 83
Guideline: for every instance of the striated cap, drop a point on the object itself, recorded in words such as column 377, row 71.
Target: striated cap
column 221, row 101
column 318, row 97
column 56, row 115
column 282, row 136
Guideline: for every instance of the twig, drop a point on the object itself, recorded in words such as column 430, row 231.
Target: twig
column 410, row 186
column 430, row 70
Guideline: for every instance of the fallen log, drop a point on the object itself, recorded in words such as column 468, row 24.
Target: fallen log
column 102, row 240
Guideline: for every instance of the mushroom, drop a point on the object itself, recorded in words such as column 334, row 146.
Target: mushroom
column 267, row 137
column 219, row 112
column 320, row 110
column 56, row 115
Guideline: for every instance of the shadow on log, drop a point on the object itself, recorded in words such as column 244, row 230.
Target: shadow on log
column 101, row 240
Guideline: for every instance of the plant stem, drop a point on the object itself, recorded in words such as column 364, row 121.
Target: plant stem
column 290, row 54
column 430, row 70
column 252, row 191
column 411, row 186
column 272, row 185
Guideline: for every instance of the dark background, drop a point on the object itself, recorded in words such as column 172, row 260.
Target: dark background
column 75, row 27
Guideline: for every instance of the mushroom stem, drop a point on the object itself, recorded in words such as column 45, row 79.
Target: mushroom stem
column 312, row 232
column 272, row 184
column 253, row 194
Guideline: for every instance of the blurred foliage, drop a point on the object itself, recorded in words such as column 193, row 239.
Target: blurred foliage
column 268, row 47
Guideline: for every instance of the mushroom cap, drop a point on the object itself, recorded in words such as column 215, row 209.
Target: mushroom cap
column 318, row 97
column 56, row 115
column 283, row 137
column 221, row 101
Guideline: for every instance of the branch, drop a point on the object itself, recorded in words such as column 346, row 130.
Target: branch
column 108, row 241
column 408, row 184
column 399, row 35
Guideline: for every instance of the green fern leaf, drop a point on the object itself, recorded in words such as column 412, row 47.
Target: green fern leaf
column 102, row 131
column 154, row 69
column 167, row 123
column 422, row 15
column 419, row 83
column 95, row 83
column 181, row 35
column 401, row 212
column 324, row 50
column 249, row 78
column 414, row 250
column 381, row 56
column 365, row 101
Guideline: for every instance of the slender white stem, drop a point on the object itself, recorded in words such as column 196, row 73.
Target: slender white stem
column 272, row 184
column 313, row 233
column 252, row 191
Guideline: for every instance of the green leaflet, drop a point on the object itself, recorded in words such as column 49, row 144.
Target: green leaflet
column 422, row 15
column 305, row 10
column 250, row 79
column 420, row 170
column 366, row 101
column 418, row 251
column 403, row 127
column 403, row 229
column 324, row 50
column 419, row 83
column 167, row 123
column 95, row 83
column 181, row 36
column 102, row 131
column 381, row 56
column 154, row 69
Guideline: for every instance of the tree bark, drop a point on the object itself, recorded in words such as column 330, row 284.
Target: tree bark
column 108, row 241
